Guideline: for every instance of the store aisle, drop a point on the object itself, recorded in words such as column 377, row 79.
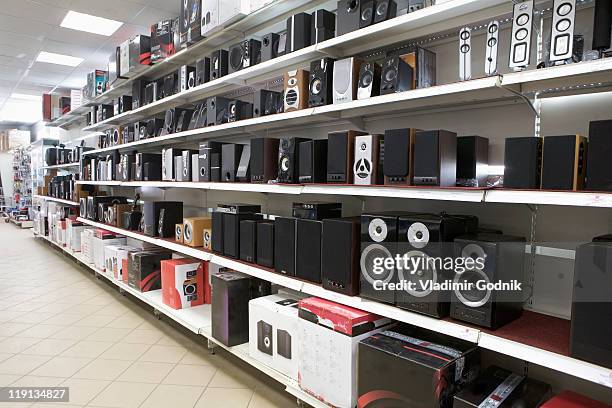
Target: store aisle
column 60, row 326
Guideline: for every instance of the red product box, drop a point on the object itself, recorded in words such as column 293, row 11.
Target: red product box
column 184, row 282
column 568, row 399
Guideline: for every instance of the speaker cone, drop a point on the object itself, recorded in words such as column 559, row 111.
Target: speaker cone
column 316, row 86
column 368, row 258
column 420, row 277
column 236, row 58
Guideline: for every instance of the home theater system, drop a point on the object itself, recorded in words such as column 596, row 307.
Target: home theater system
column 185, row 189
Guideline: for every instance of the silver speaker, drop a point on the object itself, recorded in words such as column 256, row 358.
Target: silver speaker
column 465, row 54
column 492, row 47
column 345, row 80
column 365, row 167
column 522, row 30
column 562, row 30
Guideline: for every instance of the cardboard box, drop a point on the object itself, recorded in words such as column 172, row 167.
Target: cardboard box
column 100, row 240
column 568, row 399
column 144, row 270
column 329, row 335
column 183, row 282
column 87, row 245
column 415, row 367
column 274, row 331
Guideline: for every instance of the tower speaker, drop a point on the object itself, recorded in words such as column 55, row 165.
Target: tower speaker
column 523, row 162
column 264, row 159
column 564, row 162
column 399, row 152
column 346, row 72
column 599, row 173
column 522, row 29
column 435, row 158
column 320, row 85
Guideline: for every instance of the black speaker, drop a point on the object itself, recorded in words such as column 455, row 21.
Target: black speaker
column 265, row 247
column 399, row 152
column 321, row 79
column 591, row 311
column 323, row 26
column 497, row 258
column 285, row 245
column 138, row 93
column 160, row 217
column 348, row 16
column 308, row 253
column 340, row 156
column 217, row 111
column 384, row 10
column 215, row 167
column 207, row 149
column 170, row 86
column 199, row 117
column 435, row 158
column 269, row 47
column 230, row 157
column 267, row 103
column 288, row 159
column 426, row 236
column 564, row 162
column 217, row 232
column 202, row 71
column 152, row 163
column 218, row 64
column 313, row 161
column 154, row 127
column 523, row 162
column 264, row 159
column 340, row 255
column 176, row 120
column 472, row 161
column 124, row 104
column 599, row 172
column 244, row 54
column 366, row 17
column 298, row 32
column 396, row 76
column 243, row 173
column 231, row 232
column 369, row 80
column 378, row 241
column 602, row 22
column 239, row 110
column 248, row 240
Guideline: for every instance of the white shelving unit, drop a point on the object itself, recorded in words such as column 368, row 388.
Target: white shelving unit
column 56, row 200
column 61, row 166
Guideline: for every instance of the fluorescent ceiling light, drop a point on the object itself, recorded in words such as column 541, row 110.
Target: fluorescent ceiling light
column 90, row 24
column 26, row 97
column 59, row 59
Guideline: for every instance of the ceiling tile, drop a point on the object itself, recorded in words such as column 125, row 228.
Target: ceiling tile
column 35, row 11
column 173, row 6
column 120, row 10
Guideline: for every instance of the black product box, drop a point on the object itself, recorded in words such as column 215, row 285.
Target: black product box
column 140, row 53
column 144, row 270
column 164, row 40
column 436, row 365
column 138, row 93
column 501, row 388
column 231, row 292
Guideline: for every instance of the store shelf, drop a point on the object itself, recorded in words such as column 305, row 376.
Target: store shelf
column 56, row 200
column 61, row 166
column 567, row 198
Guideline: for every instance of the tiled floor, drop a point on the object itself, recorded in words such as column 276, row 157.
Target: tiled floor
column 60, row 326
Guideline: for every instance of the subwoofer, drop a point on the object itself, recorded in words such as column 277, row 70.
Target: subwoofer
column 217, row 111
column 502, row 259
column 269, row 47
column 340, row 156
column 369, row 80
column 267, row 103
column 599, row 173
column 218, row 64
column 202, row 71
column 399, row 156
column 296, row 93
column 348, row 16
column 244, row 54
column 230, row 157
column 313, row 161
column 396, row 76
column 367, row 154
column 298, row 32
column 239, row 110
column 321, row 78
column 523, row 162
column 564, row 162
column 522, row 29
column 160, row 218
column 345, row 80
column 435, row 158
column 264, row 159
column 340, row 255
column 288, row 159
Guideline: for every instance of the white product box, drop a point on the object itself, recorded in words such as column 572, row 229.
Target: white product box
column 219, row 13
column 76, row 98
column 87, row 245
column 329, row 335
column 98, row 250
column 273, row 332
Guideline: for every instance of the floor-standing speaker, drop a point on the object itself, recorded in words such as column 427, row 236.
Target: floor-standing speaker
column 591, row 311
column 564, row 162
column 472, row 160
column 499, row 258
column 264, row 159
column 399, row 152
column 340, row 156
column 285, row 245
column 340, row 255
column 523, row 162
column 599, row 172
column 313, row 161
column 435, row 158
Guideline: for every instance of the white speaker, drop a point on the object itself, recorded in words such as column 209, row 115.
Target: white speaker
column 491, row 48
column 186, row 167
column 465, row 54
column 345, row 80
column 194, row 166
column 167, row 164
column 365, row 167
column 522, row 29
column 562, row 30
